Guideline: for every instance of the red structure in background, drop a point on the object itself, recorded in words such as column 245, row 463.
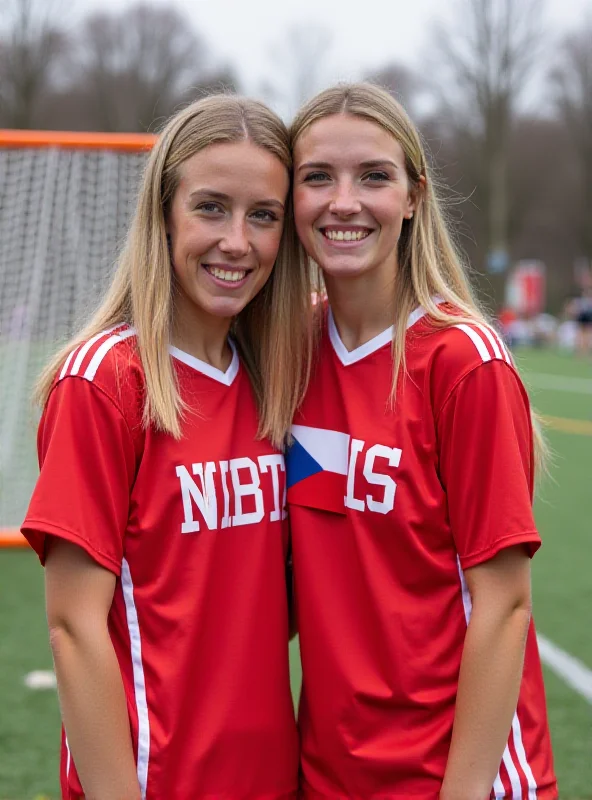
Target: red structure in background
column 526, row 288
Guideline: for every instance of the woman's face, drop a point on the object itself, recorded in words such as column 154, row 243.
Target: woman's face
column 351, row 195
column 225, row 226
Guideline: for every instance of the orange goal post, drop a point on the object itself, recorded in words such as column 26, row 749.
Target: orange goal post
column 65, row 204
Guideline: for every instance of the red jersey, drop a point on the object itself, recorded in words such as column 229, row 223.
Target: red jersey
column 195, row 531
column 388, row 506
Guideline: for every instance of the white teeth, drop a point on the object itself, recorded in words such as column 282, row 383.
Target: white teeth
column 348, row 236
column 226, row 275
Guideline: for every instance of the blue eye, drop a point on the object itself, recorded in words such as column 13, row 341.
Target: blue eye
column 210, row 207
column 376, row 176
column 263, row 215
column 316, row 177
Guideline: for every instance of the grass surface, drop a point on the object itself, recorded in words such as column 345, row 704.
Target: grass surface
column 562, row 589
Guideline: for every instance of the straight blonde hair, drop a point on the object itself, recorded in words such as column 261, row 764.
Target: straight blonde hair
column 429, row 264
column 273, row 332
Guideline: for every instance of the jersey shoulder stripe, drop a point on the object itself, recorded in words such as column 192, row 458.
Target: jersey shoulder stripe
column 113, row 369
column 100, row 354
column 487, row 341
column 455, row 351
column 86, row 359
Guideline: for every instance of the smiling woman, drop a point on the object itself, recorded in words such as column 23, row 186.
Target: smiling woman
column 413, row 467
column 224, row 225
column 350, row 207
column 159, row 511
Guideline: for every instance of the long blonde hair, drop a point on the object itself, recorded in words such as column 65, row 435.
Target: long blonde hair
column 273, row 332
column 429, row 263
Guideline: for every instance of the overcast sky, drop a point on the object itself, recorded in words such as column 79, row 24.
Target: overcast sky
column 365, row 34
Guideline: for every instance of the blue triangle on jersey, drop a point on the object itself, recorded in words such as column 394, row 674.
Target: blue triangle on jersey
column 300, row 464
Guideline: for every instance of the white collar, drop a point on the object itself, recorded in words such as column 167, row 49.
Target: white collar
column 348, row 357
column 207, row 369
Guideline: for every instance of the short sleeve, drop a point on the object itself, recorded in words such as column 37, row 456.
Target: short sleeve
column 87, row 467
column 486, row 463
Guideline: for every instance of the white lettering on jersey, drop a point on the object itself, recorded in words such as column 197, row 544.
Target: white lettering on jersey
column 393, row 456
column 224, row 473
column 201, row 490
column 275, row 463
column 356, row 447
column 204, row 498
column 242, row 490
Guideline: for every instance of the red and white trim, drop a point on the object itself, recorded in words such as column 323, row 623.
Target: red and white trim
column 68, row 757
column 78, row 362
column 143, row 755
column 226, row 378
column 487, row 341
column 520, row 772
column 348, row 357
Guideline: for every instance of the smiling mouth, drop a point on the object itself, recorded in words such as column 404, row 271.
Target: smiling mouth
column 346, row 234
column 227, row 275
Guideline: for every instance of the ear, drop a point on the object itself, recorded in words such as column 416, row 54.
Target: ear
column 413, row 197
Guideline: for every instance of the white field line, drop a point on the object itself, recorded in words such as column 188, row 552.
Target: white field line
column 558, row 383
column 40, row 679
column 569, row 669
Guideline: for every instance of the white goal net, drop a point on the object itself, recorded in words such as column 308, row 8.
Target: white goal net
column 64, row 210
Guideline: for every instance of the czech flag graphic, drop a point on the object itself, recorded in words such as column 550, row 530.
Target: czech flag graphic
column 316, row 465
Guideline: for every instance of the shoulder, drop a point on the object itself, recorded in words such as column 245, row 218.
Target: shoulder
column 449, row 354
column 111, row 363
column 465, row 345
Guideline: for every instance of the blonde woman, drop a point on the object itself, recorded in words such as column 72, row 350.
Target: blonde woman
column 159, row 511
column 410, row 488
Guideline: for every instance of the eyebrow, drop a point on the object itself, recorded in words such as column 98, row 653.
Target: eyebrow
column 378, row 162
column 212, row 194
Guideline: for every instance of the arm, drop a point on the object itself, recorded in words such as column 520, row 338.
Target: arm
column 79, row 593
column 490, row 673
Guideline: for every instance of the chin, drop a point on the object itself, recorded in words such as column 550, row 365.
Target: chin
column 226, row 307
column 342, row 270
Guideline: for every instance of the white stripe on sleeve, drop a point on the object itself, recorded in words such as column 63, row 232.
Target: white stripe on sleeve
column 507, row 354
column 491, row 338
column 85, row 348
column 477, row 341
column 67, row 364
column 95, row 361
column 496, row 342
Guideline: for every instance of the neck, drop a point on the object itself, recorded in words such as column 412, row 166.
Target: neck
column 362, row 308
column 207, row 342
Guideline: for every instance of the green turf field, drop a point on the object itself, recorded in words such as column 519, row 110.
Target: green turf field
column 29, row 725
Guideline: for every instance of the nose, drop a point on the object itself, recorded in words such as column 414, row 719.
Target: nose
column 345, row 201
column 235, row 242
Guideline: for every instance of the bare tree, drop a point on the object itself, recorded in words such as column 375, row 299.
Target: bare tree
column 404, row 84
column 137, row 64
column 485, row 60
column 572, row 79
column 32, row 48
column 297, row 61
